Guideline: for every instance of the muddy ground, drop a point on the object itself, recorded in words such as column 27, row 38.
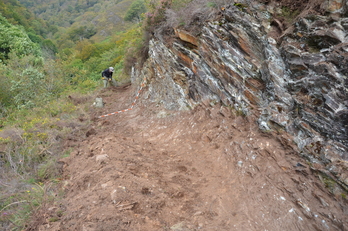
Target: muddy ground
column 204, row 169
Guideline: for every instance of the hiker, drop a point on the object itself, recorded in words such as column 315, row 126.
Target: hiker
column 107, row 77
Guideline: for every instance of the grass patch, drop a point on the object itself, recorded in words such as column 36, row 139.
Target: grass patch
column 288, row 14
column 30, row 172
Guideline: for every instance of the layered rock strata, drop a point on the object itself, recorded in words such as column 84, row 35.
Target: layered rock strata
column 295, row 82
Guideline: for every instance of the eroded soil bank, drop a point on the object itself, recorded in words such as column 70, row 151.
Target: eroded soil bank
column 205, row 169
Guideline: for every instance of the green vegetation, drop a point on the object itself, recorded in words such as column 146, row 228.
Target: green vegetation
column 48, row 76
column 329, row 183
column 240, row 6
column 50, row 67
column 288, row 14
column 16, row 14
column 28, row 26
column 135, row 10
column 94, row 19
column 212, row 4
column 14, row 39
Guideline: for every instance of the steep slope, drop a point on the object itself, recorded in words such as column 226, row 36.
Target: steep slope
column 205, row 169
column 102, row 17
column 290, row 78
column 17, row 14
column 242, row 126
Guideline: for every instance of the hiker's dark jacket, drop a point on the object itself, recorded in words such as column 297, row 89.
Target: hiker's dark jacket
column 107, row 73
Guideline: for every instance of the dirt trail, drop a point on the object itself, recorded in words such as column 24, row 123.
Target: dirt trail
column 205, row 169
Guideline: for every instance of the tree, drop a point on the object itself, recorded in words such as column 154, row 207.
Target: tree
column 82, row 32
column 86, row 50
column 34, row 37
column 135, row 10
column 49, row 48
column 14, row 39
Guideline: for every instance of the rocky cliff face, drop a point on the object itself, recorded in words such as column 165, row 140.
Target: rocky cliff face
column 290, row 79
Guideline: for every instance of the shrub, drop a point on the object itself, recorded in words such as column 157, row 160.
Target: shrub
column 17, row 208
column 156, row 15
column 135, row 10
column 14, row 39
column 30, row 159
column 28, row 88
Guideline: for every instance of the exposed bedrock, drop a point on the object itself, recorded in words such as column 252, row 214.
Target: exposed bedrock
column 295, row 82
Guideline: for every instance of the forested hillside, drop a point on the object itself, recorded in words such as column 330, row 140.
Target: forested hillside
column 81, row 19
column 237, row 105
column 69, row 42
column 38, row 30
column 52, row 52
column 17, row 14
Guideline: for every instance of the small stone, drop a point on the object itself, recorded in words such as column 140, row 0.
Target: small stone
column 113, row 196
column 99, row 103
column 101, row 158
column 104, row 185
column 178, row 227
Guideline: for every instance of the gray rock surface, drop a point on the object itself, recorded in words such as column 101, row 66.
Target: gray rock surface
column 296, row 82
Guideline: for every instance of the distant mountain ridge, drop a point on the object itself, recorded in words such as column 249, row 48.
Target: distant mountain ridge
column 103, row 17
column 17, row 14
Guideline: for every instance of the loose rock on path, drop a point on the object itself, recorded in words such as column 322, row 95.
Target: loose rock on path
column 204, row 169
